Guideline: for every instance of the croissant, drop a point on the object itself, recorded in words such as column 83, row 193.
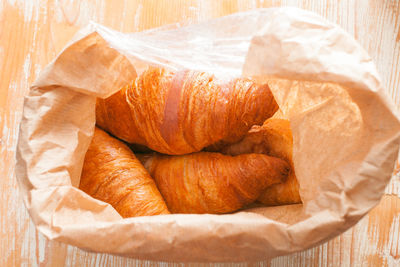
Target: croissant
column 206, row 182
column 274, row 138
column 113, row 174
column 182, row 112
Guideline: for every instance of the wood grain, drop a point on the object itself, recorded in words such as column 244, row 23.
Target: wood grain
column 33, row 32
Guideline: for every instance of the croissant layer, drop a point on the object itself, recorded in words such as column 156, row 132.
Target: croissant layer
column 274, row 138
column 182, row 112
column 211, row 182
column 113, row 174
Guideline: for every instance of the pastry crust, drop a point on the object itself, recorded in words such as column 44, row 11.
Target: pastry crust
column 113, row 174
column 182, row 112
column 207, row 182
column 274, row 138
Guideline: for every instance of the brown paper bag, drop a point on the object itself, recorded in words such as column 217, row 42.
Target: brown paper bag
column 346, row 135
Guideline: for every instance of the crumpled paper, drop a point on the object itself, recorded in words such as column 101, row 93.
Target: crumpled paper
column 345, row 130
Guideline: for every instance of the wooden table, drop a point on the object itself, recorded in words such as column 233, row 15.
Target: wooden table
column 33, row 32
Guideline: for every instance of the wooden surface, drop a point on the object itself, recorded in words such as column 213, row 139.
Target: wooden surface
column 33, row 32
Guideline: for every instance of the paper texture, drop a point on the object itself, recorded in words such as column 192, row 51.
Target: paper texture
column 346, row 135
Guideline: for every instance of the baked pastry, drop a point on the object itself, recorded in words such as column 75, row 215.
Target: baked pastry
column 113, row 174
column 274, row 138
column 207, row 182
column 182, row 112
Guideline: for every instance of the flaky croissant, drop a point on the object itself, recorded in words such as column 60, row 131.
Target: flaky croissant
column 206, row 182
column 182, row 112
column 113, row 174
column 274, row 138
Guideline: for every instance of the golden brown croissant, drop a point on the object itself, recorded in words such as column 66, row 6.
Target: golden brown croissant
column 182, row 112
column 206, row 182
column 113, row 174
column 274, row 138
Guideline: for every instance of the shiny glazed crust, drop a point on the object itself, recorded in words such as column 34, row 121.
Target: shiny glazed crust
column 207, row 182
column 113, row 174
column 182, row 112
column 274, row 138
